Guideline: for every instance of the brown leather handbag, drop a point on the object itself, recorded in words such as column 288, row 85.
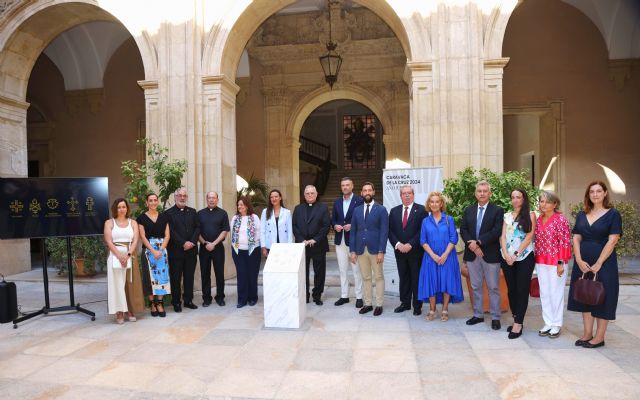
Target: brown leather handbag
column 588, row 291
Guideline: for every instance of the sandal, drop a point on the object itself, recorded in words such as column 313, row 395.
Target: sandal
column 131, row 317
column 162, row 313
column 154, row 309
column 120, row 318
column 445, row 316
column 430, row 315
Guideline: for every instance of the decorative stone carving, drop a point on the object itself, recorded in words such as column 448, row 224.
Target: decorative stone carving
column 5, row 5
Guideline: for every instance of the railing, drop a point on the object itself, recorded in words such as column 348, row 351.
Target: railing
column 320, row 155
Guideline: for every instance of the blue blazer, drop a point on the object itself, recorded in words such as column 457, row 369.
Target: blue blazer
column 338, row 217
column 373, row 234
column 268, row 233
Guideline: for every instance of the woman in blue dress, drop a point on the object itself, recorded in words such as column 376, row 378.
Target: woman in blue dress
column 598, row 228
column 440, row 281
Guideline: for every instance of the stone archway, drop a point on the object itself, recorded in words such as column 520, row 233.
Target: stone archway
column 282, row 158
column 25, row 31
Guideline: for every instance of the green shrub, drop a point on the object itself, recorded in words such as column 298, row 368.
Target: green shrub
column 460, row 190
column 91, row 248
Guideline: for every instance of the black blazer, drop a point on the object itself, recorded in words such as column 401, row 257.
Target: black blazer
column 184, row 227
column 490, row 232
column 410, row 234
column 312, row 225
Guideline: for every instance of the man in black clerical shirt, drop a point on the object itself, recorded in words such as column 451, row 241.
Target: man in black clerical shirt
column 310, row 226
column 214, row 226
column 183, row 253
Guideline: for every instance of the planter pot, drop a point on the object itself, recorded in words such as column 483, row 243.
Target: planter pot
column 81, row 271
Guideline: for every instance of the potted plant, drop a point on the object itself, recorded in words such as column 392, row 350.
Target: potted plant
column 460, row 192
column 87, row 253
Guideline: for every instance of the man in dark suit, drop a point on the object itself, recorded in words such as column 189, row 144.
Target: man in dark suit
column 343, row 208
column 214, row 227
column 481, row 229
column 310, row 226
column 405, row 222
column 183, row 252
column 368, row 242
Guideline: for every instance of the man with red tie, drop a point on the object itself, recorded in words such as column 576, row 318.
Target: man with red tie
column 405, row 221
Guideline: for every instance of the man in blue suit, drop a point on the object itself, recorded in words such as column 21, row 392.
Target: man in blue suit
column 343, row 208
column 369, row 232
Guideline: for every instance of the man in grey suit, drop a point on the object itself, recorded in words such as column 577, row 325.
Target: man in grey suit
column 367, row 244
column 481, row 229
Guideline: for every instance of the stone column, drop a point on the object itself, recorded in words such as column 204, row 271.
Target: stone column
column 153, row 118
column 424, row 138
column 215, row 158
column 13, row 163
column 282, row 163
column 492, row 113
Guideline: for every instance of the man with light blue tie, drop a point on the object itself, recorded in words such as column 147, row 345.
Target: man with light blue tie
column 481, row 229
column 367, row 244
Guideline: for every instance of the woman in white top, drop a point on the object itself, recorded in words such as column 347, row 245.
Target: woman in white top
column 245, row 239
column 518, row 261
column 121, row 237
column 275, row 223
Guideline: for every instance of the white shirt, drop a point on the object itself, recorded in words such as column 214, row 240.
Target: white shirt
column 345, row 204
column 365, row 207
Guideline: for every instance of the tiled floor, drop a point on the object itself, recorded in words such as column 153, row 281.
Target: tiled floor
column 223, row 352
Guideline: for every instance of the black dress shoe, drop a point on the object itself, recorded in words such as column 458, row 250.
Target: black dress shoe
column 252, row 303
column 191, row 306
column 308, row 298
column 365, row 309
column 581, row 342
column 509, row 328
column 177, row 308
column 377, row 311
column 206, row 304
column 318, row 302
column 220, row 302
column 474, row 320
column 417, row 311
column 359, row 303
column 495, row 324
column 589, row 345
column 240, row 305
column 401, row 308
column 341, row 301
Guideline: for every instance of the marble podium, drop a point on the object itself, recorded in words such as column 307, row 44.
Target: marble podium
column 283, row 285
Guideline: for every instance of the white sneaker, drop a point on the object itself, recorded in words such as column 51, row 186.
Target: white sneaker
column 544, row 331
column 554, row 332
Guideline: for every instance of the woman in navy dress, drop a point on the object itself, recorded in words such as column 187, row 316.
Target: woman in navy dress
column 440, row 272
column 598, row 228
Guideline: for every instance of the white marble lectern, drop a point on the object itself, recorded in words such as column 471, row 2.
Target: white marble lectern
column 283, row 285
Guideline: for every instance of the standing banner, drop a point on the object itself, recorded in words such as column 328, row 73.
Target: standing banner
column 423, row 181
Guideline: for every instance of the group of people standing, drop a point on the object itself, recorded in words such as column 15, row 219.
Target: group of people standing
column 423, row 238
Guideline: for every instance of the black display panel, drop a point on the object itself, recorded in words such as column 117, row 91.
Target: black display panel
column 48, row 207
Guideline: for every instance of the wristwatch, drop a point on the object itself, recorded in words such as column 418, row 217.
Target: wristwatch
column 129, row 254
column 515, row 253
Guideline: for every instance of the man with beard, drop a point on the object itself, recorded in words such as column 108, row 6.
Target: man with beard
column 310, row 226
column 369, row 232
column 183, row 252
column 341, row 221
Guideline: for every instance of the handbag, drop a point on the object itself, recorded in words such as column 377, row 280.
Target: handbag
column 534, row 287
column 588, row 291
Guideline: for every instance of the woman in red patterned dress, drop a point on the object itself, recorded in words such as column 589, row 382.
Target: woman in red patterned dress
column 552, row 253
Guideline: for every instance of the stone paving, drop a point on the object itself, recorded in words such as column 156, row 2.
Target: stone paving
column 223, row 352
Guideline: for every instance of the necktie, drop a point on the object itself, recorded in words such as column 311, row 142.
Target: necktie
column 366, row 213
column 479, row 221
column 405, row 217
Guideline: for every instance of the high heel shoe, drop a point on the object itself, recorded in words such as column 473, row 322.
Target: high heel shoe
column 515, row 335
column 153, row 307
column 162, row 313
